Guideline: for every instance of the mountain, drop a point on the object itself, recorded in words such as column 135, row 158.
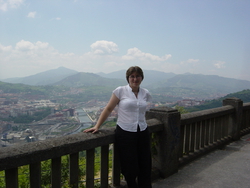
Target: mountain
column 243, row 95
column 121, row 74
column 159, row 83
column 150, row 76
column 207, row 84
column 44, row 78
column 89, row 79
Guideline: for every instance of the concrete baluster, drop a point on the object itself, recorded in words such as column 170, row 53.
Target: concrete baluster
column 167, row 141
column 237, row 117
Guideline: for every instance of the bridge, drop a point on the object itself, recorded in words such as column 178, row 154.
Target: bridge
column 179, row 142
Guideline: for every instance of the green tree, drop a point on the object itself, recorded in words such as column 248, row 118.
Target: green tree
column 24, row 173
column 2, row 181
column 23, row 176
column 181, row 109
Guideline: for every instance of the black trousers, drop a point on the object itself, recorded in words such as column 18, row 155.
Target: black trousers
column 135, row 157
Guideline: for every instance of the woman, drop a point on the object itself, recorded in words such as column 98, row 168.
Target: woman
column 131, row 135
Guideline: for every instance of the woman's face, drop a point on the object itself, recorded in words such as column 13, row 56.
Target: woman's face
column 135, row 80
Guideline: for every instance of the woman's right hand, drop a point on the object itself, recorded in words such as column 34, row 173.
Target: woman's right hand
column 92, row 129
column 105, row 113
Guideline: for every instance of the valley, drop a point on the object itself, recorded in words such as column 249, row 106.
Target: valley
column 52, row 104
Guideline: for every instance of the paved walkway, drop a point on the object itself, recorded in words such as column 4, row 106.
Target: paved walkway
column 228, row 168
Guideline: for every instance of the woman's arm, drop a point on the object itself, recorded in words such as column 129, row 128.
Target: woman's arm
column 105, row 113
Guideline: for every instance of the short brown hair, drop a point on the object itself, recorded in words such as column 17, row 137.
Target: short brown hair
column 133, row 69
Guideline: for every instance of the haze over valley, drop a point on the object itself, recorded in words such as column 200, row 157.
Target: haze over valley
column 176, row 85
column 63, row 101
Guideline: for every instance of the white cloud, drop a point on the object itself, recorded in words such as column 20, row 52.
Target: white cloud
column 135, row 53
column 104, row 47
column 26, row 45
column 27, row 52
column 26, row 58
column 5, row 48
column 5, row 5
column 42, row 45
column 220, row 64
column 31, row 15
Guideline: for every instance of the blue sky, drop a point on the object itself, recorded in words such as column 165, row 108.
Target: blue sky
column 210, row 37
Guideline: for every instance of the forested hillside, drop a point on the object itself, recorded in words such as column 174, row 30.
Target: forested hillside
column 165, row 85
column 243, row 95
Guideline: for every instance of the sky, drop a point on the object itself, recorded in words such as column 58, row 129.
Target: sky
column 210, row 37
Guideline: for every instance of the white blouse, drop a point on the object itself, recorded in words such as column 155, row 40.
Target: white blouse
column 131, row 110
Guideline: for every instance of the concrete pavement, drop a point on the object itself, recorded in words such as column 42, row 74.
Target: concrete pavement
column 227, row 168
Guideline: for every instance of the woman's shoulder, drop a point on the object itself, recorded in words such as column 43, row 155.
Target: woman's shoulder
column 119, row 89
column 145, row 90
column 146, row 94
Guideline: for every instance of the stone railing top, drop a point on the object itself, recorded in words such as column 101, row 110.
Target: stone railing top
column 163, row 109
column 48, row 149
column 33, row 152
column 206, row 114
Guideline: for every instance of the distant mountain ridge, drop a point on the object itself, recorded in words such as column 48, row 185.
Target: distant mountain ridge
column 150, row 76
column 205, row 83
column 168, row 84
column 43, row 78
column 243, row 95
column 89, row 79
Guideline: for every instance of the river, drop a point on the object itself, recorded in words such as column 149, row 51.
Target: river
column 83, row 118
